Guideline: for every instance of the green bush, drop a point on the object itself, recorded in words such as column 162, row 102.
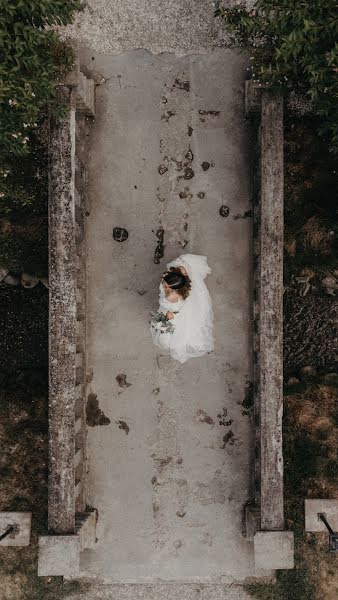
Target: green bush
column 294, row 46
column 32, row 59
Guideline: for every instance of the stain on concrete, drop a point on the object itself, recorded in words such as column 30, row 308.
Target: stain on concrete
column 167, row 115
column 141, row 292
column 162, row 169
column 224, row 211
column 205, row 165
column 181, row 513
column 123, row 425
column 206, row 538
column 90, row 375
column 178, row 544
column 213, row 113
column 222, row 416
column 228, row 438
column 212, row 492
column 181, row 85
column 189, row 155
column 202, row 417
column 190, row 130
column 179, row 163
column 185, row 226
column 185, row 194
column 201, row 195
column 120, row 234
column 159, row 250
column 188, row 173
column 183, row 243
column 158, row 195
column 94, row 415
column 248, row 401
column 121, row 379
column 162, row 463
column 156, row 391
column 246, row 215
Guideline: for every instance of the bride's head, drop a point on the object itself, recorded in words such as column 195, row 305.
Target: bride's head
column 175, row 280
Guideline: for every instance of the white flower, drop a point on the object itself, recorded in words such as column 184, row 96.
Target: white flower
column 12, row 102
column 33, row 94
column 26, row 138
column 2, row 194
column 14, row 135
column 25, row 125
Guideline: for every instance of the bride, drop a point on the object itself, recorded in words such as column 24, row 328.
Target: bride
column 185, row 300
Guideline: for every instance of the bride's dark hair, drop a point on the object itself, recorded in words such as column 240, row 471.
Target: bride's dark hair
column 177, row 281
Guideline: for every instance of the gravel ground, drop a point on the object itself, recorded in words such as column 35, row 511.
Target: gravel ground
column 180, row 26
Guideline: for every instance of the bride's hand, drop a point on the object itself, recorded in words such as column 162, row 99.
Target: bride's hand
column 170, row 315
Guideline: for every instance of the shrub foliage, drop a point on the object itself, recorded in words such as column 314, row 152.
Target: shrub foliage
column 32, row 58
column 294, row 46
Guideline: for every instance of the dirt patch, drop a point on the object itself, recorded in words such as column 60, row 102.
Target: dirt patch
column 24, row 327
column 95, row 416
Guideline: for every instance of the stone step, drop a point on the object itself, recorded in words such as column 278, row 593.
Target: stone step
column 85, row 95
column 85, row 527
column 252, row 521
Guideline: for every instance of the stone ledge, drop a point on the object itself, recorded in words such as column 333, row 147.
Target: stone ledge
column 274, row 550
column 59, row 555
column 313, row 507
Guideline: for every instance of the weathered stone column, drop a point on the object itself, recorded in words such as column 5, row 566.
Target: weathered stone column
column 62, row 319
column 271, row 312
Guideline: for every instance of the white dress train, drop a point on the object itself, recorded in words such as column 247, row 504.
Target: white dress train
column 193, row 325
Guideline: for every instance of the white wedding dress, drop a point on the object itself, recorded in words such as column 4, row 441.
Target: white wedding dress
column 193, row 325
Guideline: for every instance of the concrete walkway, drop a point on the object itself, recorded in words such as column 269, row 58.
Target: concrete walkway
column 170, row 473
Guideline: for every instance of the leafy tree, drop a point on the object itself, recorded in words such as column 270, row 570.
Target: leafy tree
column 32, row 59
column 294, row 46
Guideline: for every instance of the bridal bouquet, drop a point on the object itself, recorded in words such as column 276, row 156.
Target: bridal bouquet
column 160, row 323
